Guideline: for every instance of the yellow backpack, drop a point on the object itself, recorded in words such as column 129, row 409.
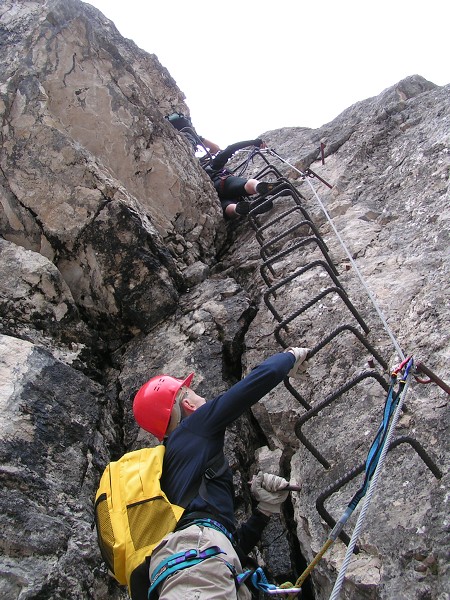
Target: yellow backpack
column 132, row 513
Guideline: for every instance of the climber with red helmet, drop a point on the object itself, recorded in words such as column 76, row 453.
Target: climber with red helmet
column 194, row 434
column 155, row 401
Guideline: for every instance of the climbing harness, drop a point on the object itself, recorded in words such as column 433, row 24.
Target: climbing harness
column 177, row 562
column 212, row 524
column 189, row 558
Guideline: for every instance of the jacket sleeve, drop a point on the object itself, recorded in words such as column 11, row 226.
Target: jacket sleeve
column 213, row 417
column 224, row 156
column 249, row 533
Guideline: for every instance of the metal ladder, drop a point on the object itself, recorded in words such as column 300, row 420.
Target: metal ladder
column 300, row 232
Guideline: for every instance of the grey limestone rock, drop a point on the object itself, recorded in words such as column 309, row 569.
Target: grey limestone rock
column 116, row 265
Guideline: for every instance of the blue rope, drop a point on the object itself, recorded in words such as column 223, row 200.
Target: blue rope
column 404, row 386
column 377, row 445
column 380, row 439
column 376, row 448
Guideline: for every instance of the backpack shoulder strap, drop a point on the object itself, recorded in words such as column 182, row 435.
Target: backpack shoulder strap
column 215, row 467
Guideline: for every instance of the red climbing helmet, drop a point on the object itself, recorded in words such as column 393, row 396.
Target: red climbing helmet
column 154, row 401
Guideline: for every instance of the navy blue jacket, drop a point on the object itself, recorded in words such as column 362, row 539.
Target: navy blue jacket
column 200, row 437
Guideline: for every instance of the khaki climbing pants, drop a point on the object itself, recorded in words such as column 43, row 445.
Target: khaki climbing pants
column 209, row 580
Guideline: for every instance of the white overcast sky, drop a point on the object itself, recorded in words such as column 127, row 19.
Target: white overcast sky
column 250, row 66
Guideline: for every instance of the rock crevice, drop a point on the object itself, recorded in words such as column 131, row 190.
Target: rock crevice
column 116, row 264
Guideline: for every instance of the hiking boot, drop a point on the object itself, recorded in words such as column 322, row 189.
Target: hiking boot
column 258, row 208
column 242, row 208
column 264, row 187
column 285, row 192
column 267, row 187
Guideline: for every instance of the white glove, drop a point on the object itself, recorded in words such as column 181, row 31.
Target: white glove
column 300, row 356
column 268, row 490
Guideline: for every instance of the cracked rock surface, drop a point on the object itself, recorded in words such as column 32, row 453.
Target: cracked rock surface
column 116, row 264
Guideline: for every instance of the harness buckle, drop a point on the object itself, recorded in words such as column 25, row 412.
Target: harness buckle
column 209, row 473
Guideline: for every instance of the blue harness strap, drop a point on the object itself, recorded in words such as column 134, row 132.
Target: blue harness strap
column 189, row 558
column 212, row 524
column 176, row 562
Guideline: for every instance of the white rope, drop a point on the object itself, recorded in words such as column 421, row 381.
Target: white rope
column 371, row 296
column 338, row 584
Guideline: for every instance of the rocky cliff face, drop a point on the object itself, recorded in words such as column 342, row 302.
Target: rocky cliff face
column 116, row 264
